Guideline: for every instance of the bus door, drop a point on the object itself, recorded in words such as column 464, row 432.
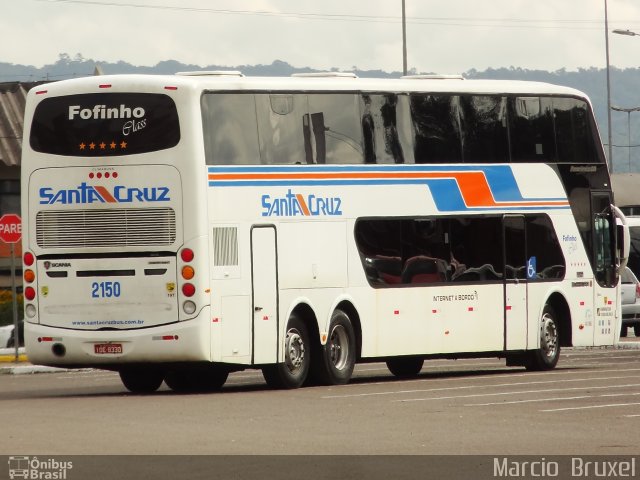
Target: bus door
column 604, row 266
column 515, row 283
column 264, row 286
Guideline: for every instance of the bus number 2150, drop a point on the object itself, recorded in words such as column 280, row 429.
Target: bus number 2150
column 105, row 289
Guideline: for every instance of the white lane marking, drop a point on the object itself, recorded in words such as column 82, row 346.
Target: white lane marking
column 521, row 392
column 468, row 387
column 587, row 407
column 555, row 399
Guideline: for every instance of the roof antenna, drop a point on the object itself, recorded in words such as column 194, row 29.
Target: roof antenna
column 97, row 71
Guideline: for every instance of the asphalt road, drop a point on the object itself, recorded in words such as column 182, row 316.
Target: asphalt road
column 589, row 405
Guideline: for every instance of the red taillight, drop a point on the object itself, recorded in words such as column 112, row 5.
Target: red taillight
column 188, row 290
column 29, row 259
column 637, row 290
column 186, row 255
column 29, row 293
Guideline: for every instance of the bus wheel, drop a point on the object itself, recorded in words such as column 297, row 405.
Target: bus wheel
column 405, row 367
column 334, row 365
column 297, row 358
column 142, row 379
column 546, row 357
column 198, row 378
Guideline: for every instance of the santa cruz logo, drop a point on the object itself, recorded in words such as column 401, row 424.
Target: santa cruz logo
column 296, row 204
column 84, row 194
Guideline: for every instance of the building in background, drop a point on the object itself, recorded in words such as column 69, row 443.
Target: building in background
column 13, row 96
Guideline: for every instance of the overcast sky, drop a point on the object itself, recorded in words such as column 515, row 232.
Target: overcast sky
column 443, row 36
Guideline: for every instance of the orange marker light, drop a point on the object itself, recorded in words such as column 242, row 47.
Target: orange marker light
column 188, row 272
column 29, row 276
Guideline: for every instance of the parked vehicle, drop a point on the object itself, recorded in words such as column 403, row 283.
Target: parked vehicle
column 630, row 303
column 7, row 337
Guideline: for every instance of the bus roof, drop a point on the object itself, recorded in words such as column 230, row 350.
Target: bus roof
column 236, row 81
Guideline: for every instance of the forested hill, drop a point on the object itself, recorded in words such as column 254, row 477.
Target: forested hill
column 624, row 86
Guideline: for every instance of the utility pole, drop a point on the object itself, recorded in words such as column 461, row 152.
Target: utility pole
column 404, row 40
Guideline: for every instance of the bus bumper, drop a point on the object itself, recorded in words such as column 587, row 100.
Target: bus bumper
column 186, row 341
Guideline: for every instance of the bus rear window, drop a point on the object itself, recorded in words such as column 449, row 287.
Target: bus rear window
column 105, row 124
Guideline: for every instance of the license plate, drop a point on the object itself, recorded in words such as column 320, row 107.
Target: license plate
column 107, row 348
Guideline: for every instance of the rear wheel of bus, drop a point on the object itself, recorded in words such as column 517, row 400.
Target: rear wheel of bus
column 141, row 379
column 334, row 365
column 293, row 372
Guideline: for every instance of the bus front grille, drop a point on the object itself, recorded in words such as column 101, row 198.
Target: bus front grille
column 130, row 227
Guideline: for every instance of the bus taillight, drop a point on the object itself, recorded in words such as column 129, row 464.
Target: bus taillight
column 28, row 259
column 188, row 290
column 29, row 293
column 187, row 255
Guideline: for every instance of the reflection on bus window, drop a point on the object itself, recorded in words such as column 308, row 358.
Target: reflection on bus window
column 348, row 128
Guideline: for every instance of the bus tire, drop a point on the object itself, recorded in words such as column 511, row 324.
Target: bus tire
column 405, row 367
column 197, row 378
column 546, row 357
column 293, row 372
column 141, row 379
column 334, row 365
column 636, row 330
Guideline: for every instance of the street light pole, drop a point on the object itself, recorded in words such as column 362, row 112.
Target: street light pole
column 404, row 40
column 606, row 41
column 610, row 107
column 628, row 112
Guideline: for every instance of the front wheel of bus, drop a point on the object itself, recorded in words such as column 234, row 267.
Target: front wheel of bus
column 546, row 357
column 335, row 364
column 142, row 379
column 297, row 357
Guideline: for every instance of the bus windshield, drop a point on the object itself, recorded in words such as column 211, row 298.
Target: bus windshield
column 105, row 124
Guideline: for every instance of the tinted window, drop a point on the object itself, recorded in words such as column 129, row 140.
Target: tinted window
column 386, row 128
column 531, row 129
column 105, row 124
column 230, row 133
column 436, row 124
column 465, row 249
column 543, row 249
column 296, row 128
column 574, row 135
column 484, row 120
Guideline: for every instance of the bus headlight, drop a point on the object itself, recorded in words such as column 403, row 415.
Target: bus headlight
column 189, row 307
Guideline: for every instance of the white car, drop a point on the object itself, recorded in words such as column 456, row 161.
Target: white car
column 6, row 332
column 630, row 303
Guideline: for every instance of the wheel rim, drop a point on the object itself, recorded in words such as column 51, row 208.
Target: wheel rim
column 295, row 351
column 549, row 337
column 339, row 347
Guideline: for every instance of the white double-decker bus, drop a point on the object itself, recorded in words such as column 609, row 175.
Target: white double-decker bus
column 178, row 228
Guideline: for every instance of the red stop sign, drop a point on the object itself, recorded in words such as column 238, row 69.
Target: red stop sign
column 10, row 228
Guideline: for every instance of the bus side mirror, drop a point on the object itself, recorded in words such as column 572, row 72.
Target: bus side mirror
column 623, row 239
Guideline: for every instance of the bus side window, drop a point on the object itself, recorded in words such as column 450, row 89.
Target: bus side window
column 436, row 128
column 229, row 129
column 484, row 123
column 572, row 131
column 531, row 129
